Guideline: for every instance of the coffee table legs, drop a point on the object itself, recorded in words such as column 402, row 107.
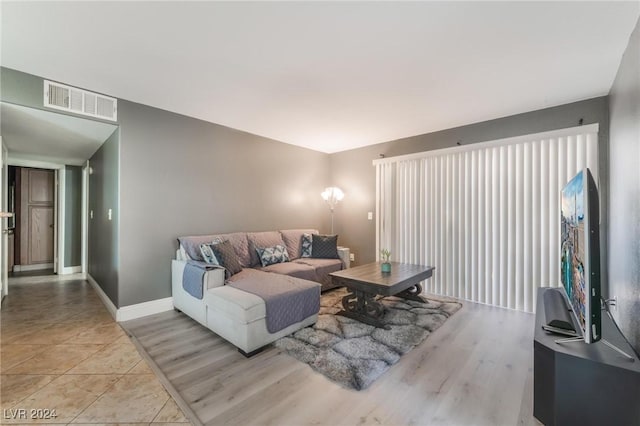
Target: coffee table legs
column 363, row 307
column 412, row 293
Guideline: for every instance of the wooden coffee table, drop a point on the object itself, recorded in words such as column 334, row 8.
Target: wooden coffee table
column 367, row 281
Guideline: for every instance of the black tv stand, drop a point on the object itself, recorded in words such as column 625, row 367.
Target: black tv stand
column 605, row 341
column 583, row 384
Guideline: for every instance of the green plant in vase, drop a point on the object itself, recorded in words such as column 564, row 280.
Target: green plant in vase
column 386, row 265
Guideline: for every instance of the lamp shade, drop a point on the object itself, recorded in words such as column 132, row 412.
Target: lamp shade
column 332, row 195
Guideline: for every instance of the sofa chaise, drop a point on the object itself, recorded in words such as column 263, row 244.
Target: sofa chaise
column 229, row 307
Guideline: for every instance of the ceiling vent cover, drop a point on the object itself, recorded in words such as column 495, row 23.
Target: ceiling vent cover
column 71, row 99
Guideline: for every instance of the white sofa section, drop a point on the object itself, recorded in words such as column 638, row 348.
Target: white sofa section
column 237, row 316
column 185, row 302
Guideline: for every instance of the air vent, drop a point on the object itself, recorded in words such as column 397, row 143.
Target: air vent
column 71, row 99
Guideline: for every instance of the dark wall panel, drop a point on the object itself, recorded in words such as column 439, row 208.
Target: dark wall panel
column 103, row 233
column 624, row 206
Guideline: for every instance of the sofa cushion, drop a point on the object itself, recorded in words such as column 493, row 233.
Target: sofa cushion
column 293, row 240
column 240, row 244
column 238, row 240
column 239, row 305
column 324, row 247
column 298, row 270
column 258, row 240
column 227, row 258
column 272, row 255
column 245, row 273
column 322, row 266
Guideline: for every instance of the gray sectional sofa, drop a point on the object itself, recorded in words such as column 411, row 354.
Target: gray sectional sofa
column 240, row 316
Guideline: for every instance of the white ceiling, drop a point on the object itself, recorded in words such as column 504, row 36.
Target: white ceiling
column 326, row 75
column 38, row 135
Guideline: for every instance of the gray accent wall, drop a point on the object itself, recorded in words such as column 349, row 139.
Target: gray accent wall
column 104, row 182
column 73, row 216
column 183, row 176
column 624, row 190
column 354, row 173
column 21, row 88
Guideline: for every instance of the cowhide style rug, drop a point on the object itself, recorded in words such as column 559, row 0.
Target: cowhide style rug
column 355, row 354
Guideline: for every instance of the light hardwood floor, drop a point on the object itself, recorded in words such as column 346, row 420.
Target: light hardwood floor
column 475, row 370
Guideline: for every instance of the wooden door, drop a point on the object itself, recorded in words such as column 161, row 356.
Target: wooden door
column 37, row 220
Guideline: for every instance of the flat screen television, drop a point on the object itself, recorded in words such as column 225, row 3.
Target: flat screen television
column 580, row 252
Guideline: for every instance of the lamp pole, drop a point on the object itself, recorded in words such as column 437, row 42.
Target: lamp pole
column 331, row 220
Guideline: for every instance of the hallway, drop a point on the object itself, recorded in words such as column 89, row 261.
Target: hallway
column 62, row 354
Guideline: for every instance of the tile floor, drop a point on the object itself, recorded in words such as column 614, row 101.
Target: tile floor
column 61, row 350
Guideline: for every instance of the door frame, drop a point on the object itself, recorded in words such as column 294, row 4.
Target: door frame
column 85, row 218
column 4, row 246
column 59, row 211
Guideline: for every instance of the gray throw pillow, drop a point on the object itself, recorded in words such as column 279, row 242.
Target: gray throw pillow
column 227, row 257
column 324, row 246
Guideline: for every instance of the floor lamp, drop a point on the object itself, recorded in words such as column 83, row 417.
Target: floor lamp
column 332, row 195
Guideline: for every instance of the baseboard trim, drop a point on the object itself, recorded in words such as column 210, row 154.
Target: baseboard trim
column 103, row 296
column 71, row 270
column 130, row 312
column 37, row 267
column 139, row 310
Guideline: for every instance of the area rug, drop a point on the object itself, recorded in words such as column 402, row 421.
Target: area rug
column 355, row 354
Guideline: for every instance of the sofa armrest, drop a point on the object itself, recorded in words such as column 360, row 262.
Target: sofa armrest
column 344, row 255
column 212, row 277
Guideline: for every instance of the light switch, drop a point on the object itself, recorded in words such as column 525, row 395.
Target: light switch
column 91, row 214
column 109, row 214
column 370, row 215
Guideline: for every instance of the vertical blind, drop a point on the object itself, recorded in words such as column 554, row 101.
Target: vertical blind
column 487, row 215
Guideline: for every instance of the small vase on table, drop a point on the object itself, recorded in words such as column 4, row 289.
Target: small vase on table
column 385, row 266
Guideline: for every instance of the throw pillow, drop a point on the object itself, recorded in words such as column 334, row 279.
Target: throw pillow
column 271, row 255
column 261, row 240
column 306, row 245
column 324, row 246
column 227, row 257
column 207, row 254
